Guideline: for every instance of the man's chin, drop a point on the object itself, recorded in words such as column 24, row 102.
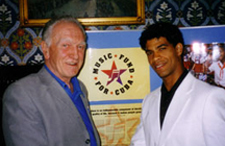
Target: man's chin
column 161, row 75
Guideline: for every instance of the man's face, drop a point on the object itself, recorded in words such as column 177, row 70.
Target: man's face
column 64, row 57
column 222, row 54
column 164, row 58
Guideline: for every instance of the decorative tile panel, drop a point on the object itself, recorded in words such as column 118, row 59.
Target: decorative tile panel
column 21, row 46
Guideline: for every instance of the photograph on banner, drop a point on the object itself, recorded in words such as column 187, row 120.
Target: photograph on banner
column 116, row 74
column 206, row 62
column 116, row 123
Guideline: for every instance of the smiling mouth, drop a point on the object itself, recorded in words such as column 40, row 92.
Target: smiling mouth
column 159, row 66
column 72, row 63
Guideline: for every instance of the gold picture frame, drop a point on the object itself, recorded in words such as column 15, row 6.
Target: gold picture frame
column 122, row 18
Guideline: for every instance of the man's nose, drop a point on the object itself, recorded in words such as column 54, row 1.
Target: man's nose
column 156, row 56
column 74, row 52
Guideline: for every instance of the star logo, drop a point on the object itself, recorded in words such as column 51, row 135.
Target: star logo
column 114, row 73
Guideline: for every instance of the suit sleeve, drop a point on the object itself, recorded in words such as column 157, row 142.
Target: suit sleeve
column 214, row 118
column 21, row 120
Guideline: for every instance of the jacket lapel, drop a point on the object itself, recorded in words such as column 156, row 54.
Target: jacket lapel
column 176, row 107
column 60, row 94
column 156, row 125
column 150, row 112
column 87, row 107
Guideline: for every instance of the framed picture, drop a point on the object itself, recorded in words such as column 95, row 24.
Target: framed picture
column 88, row 12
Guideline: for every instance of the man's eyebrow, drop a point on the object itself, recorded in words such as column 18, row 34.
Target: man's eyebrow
column 162, row 45
column 83, row 43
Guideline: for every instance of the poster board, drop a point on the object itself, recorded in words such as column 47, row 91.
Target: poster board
column 116, row 74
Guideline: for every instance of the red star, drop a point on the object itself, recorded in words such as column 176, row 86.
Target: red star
column 114, row 73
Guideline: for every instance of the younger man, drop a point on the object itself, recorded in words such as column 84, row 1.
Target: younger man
column 184, row 111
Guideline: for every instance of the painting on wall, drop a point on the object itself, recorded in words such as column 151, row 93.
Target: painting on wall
column 88, row 12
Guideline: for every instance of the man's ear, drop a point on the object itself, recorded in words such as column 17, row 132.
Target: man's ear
column 179, row 49
column 45, row 49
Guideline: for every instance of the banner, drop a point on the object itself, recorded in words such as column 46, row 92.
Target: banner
column 117, row 79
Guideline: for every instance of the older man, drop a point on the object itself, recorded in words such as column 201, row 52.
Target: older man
column 51, row 107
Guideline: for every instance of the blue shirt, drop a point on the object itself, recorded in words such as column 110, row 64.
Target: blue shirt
column 75, row 97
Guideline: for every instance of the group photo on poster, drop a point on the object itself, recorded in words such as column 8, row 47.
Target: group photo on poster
column 206, row 62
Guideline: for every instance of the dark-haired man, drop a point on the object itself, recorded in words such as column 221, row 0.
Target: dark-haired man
column 184, row 111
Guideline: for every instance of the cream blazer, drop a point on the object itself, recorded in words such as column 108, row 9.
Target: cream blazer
column 195, row 117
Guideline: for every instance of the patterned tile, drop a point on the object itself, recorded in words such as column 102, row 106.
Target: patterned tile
column 21, row 46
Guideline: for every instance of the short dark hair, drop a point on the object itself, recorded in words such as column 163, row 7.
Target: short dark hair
column 162, row 29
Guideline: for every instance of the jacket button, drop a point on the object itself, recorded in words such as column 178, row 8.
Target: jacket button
column 87, row 141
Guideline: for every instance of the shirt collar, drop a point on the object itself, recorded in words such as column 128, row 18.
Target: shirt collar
column 74, row 81
column 176, row 85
